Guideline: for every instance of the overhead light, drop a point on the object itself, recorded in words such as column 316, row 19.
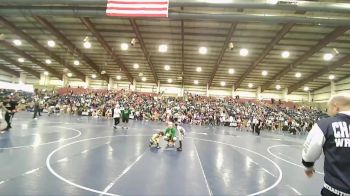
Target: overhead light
column 103, row 72
column 285, row 54
column 243, row 52
column 278, row 87
column 335, row 51
column 306, row 88
column 136, row 66
column 167, row 67
column 119, row 77
column 48, row 61
column 231, row 71
column 17, row 42
column 51, row 43
column 223, row 83
column 69, row 74
column 327, row 56
column 133, row 42
column 93, row 75
column 76, row 62
column 170, row 80
column 264, row 73
column 274, row 2
column 140, row 74
column 124, row 46
column 195, row 81
column 331, row 77
column 21, row 60
column 250, row 85
column 46, row 73
column 231, row 45
column 144, row 79
column 87, row 44
column 163, row 48
column 298, row 75
column 203, row 50
column 199, row 69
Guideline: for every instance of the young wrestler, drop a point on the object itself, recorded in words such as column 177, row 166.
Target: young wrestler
column 170, row 135
column 155, row 139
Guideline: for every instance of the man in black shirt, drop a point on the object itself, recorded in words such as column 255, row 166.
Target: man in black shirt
column 10, row 105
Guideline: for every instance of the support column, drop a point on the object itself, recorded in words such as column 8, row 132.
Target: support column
column 133, row 85
column 110, row 84
column 207, row 90
column 258, row 93
column 65, row 80
column 22, row 78
column 285, row 95
column 14, row 79
column 158, row 87
column 44, row 79
column 332, row 88
column 233, row 93
column 87, row 82
column 309, row 97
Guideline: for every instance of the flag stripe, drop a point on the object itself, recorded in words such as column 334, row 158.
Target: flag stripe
column 146, row 9
column 138, row 15
column 138, row 5
column 122, row 2
column 137, row 8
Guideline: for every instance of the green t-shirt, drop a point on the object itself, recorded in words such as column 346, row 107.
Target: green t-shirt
column 126, row 113
column 171, row 132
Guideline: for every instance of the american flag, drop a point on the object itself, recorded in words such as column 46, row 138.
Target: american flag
column 137, row 8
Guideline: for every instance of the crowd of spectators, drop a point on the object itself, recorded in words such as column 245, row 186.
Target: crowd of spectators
column 243, row 114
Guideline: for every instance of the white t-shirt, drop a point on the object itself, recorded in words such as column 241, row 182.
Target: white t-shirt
column 116, row 113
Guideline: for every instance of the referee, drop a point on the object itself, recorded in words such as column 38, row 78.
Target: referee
column 332, row 136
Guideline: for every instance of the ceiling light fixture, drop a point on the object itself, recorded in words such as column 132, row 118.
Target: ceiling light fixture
column 167, row 67
column 46, row 73
column 285, row 54
column 298, row 75
column 163, row 48
column 306, row 88
column 76, row 62
column 124, row 46
column 195, row 81
column 69, row 74
column 250, row 85
column 21, row 60
column 170, row 80
column 144, row 79
column 51, row 43
column 231, row 71
column 119, row 77
column 48, row 61
column 223, row 83
column 199, row 69
column 17, row 42
column 331, row 77
column 243, row 52
column 93, row 76
column 328, row 56
column 278, row 87
column 203, row 50
column 136, row 66
column 264, row 73
column 87, row 44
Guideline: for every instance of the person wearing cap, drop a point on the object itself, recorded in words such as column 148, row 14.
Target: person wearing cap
column 332, row 137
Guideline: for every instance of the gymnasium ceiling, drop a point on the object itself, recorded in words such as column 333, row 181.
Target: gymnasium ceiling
column 306, row 29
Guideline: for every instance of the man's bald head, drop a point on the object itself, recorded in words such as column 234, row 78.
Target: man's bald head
column 339, row 103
